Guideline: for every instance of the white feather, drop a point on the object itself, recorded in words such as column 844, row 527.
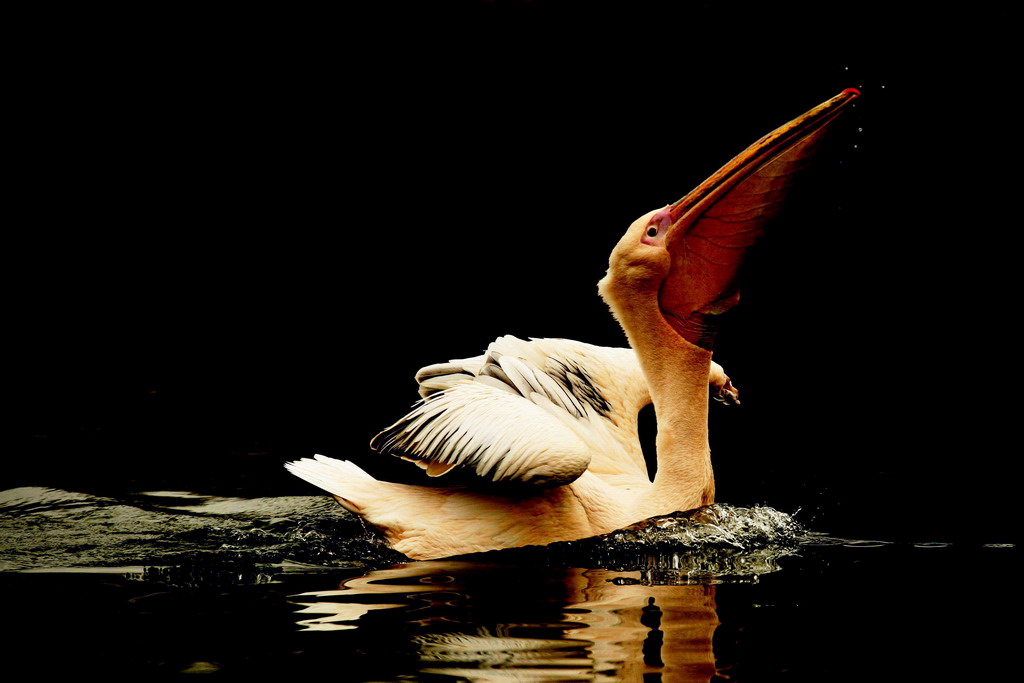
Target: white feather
column 533, row 411
column 341, row 478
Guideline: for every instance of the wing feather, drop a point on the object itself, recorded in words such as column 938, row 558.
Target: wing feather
column 538, row 411
column 498, row 434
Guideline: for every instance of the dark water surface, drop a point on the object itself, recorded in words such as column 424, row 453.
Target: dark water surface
column 169, row 582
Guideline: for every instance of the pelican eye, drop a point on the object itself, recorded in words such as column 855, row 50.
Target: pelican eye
column 652, row 231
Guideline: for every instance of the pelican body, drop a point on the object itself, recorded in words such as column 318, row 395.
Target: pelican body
column 549, row 426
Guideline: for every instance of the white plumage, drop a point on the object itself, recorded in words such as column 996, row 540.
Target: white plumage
column 534, row 412
column 539, row 414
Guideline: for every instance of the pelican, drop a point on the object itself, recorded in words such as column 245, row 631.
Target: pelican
column 549, row 426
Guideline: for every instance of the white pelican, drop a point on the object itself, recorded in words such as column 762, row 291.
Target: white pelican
column 550, row 425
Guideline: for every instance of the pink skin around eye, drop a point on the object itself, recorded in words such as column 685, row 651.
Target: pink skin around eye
column 661, row 222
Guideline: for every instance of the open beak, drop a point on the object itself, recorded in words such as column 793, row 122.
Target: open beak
column 708, row 231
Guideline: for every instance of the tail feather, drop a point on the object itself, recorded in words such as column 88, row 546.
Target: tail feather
column 341, row 478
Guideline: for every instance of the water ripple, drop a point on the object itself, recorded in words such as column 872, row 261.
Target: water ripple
column 42, row 528
column 190, row 539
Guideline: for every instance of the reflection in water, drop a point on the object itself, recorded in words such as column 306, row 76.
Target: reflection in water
column 564, row 624
column 292, row 587
column 644, row 607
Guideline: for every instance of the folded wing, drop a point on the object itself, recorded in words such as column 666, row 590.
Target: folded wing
column 526, row 411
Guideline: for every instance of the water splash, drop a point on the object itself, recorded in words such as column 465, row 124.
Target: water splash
column 714, row 525
column 190, row 539
column 48, row 528
column 713, row 544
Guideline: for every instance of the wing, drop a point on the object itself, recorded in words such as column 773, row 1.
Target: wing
column 498, row 434
column 539, row 412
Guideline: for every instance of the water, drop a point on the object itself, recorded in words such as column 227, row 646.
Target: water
column 171, row 582
column 49, row 528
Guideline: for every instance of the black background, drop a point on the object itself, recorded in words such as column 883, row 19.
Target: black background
column 234, row 237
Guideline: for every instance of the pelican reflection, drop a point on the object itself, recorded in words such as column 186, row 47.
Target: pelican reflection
column 484, row 622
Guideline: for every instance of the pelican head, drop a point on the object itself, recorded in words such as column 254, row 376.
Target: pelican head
column 690, row 252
